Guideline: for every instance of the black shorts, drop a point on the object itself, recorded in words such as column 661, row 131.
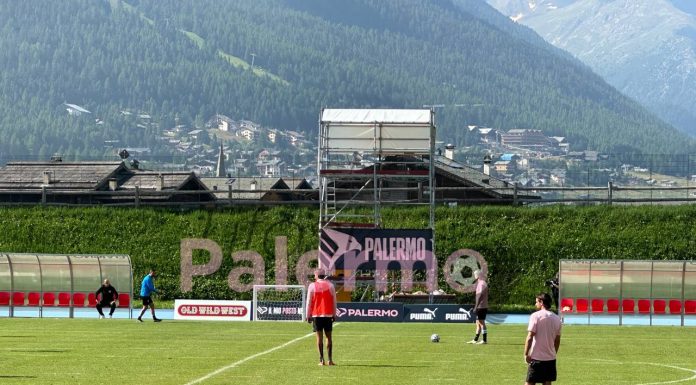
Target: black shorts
column 481, row 314
column 322, row 324
column 541, row 371
column 147, row 301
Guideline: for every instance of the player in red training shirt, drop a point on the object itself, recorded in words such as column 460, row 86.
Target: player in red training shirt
column 321, row 312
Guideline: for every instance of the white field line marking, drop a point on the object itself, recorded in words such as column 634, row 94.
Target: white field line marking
column 672, row 367
column 655, row 364
column 235, row 364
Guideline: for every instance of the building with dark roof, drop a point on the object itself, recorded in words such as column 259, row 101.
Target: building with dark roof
column 96, row 183
column 454, row 182
column 261, row 189
column 111, row 182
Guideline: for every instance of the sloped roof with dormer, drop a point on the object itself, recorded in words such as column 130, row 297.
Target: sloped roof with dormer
column 297, row 183
column 244, row 188
column 261, row 188
column 150, row 180
column 168, row 182
column 469, row 176
column 21, row 178
column 466, row 175
column 62, row 175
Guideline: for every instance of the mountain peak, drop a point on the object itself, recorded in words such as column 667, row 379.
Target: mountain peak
column 644, row 48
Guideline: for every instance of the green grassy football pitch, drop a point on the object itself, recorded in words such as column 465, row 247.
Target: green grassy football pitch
column 80, row 351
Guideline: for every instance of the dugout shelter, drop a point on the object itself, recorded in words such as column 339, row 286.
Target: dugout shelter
column 628, row 292
column 31, row 284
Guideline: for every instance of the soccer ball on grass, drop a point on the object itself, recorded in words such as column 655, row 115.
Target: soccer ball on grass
column 435, row 338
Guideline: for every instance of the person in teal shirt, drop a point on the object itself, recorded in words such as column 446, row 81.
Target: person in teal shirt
column 146, row 290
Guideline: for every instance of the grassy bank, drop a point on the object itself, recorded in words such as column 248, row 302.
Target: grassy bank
column 522, row 246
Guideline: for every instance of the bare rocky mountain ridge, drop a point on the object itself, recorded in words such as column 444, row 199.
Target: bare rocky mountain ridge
column 644, row 48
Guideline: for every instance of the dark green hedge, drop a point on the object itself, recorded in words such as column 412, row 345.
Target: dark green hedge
column 522, row 245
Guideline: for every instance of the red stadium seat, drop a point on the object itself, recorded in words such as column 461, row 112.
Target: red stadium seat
column 79, row 299
column 675, row 306
column 567, row 305
column 34, row 299
column 4, row 298
column 64, row 299
column 644, row 306
column 582, row 305
column 18, row 298
column 690, row 306
column 123, row 300
column 49, row 299
column 92, row 299
column 597, row 305
column 612, row 305
column 628, row 306
column 659, row 306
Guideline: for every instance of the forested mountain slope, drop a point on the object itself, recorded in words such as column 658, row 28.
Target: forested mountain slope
column 185, row 61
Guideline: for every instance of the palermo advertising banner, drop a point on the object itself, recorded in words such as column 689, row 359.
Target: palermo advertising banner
column 382, row 249
column 202, row 310
column 369, row 312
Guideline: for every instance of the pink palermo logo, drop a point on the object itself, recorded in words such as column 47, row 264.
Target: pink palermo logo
column 343, row 246
column 335, row 245
column 392, row 313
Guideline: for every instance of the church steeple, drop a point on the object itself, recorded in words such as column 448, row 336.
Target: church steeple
column 221, row 169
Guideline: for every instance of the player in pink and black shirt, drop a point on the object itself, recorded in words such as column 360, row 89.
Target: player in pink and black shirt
column 480, row 308
column 542, row 343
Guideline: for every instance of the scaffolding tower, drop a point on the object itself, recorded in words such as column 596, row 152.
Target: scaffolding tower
column 370, row 158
